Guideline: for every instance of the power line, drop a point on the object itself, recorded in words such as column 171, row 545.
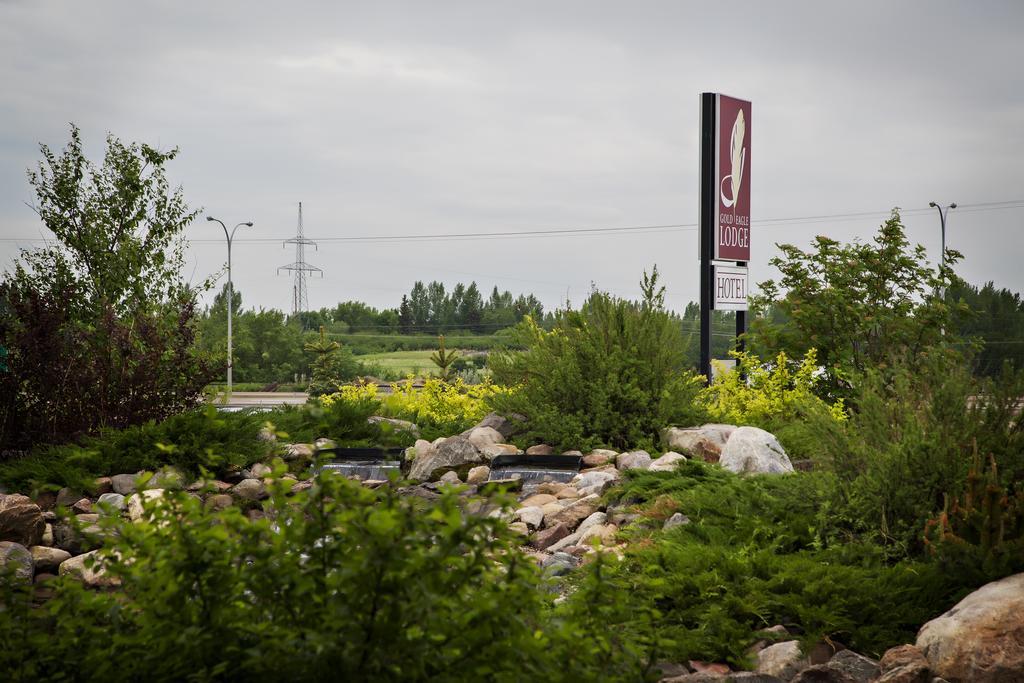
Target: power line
column 624, row 229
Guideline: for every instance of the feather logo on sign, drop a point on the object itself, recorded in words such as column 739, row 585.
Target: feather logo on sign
column 739, row 156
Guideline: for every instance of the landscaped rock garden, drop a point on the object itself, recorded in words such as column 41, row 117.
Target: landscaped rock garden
column 563, row 524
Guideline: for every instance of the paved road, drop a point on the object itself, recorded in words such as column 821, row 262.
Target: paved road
column 262, row 399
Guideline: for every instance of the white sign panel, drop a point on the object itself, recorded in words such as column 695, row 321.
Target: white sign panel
column 729, row 288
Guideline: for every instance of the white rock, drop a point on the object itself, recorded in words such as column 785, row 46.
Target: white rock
column 135, row 502
column 754, row 451
column 667, row 462
column 95, row 577
column 482, row 437
column 533, row 516
column 600, row 478
column 782, row 659
column 259, row 470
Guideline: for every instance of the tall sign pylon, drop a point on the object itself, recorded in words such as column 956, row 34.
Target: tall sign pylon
column 299, row 268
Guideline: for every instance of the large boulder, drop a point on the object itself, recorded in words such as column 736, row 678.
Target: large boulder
column 21, row 520
column 845, row 666
column 705, row 442
column 981, row 638
column 574, row 513
column 754, row 451
column 452, row 453
column 16, row 558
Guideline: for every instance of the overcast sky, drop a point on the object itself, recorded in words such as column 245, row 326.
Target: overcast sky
column 433, row 118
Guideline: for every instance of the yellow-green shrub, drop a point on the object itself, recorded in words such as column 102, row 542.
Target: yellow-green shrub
column 769, row 392
column 439, row 408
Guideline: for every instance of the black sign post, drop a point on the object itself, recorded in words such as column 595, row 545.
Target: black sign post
column 708, row 206
column 724, row 210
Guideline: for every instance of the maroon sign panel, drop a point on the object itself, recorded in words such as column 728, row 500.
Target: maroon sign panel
column 732, row 171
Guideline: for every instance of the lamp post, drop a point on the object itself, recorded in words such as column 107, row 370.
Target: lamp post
column 943, row 213
column 231, row 290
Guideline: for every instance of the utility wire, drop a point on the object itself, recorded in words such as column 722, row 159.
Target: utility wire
column 567, row 232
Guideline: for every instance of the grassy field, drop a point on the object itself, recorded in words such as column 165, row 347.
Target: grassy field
column 402, row 362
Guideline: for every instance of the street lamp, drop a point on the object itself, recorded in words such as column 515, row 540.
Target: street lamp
column 231, row 290
column 943, row 212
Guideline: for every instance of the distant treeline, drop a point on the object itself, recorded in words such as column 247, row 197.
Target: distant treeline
column 429, row 309
column 268, row 343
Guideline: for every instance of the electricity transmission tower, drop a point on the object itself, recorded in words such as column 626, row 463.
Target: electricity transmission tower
column 299, row 298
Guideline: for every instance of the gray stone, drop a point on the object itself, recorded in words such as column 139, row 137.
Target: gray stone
column 496, row 422
column 323, row 442
column 168, row 477
column 259, row 470
column 633, row 460
column 455, row 452
column 67, row 497
column 482, row 437
column 114, row 500
column 48, row 559
column 540, row 449
column 595, row 519
column 17, row 558
column 266, row 435
column 21, row 520
column 859, row 668
column 532, row 516
column 298, row 451
column 219, row 501
column 678, row 519
column 667, row 462
column 558, row 564
column 395, row 424
column 754, row 451
column 250, row 489
column 123, row 483
column 784, row 660
column 92, row 577
column 574, row 513
column 478, row 475
column 66, row 538
column 601, row 479
column 450, row 478
column 981, row 639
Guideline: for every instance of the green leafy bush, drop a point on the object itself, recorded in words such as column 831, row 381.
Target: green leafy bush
column 200, row 438
column 909, row 443
column 339, row 582
column 613, row 373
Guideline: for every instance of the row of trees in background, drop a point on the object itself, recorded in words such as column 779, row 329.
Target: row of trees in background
column 429, row 309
